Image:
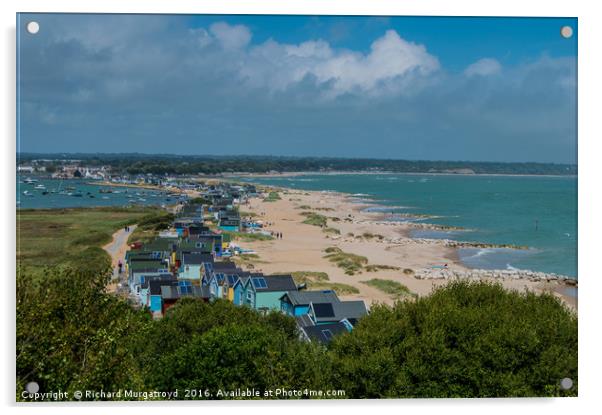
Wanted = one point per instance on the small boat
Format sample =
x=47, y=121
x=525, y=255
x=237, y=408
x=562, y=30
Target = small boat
x=44, y=192
x=106, y=197
x=40, y=187
x=27, y=193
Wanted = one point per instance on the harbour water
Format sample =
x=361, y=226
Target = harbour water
x=41, y=193
x=533, y=211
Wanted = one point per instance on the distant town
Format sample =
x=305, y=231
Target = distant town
x=100, y=166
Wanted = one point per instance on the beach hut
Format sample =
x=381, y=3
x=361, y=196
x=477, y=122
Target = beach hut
x=297, y=303
x=263, y=292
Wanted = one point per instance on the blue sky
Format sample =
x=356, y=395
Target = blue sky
x=441, y=88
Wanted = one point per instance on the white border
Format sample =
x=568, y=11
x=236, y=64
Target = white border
x=590, y=33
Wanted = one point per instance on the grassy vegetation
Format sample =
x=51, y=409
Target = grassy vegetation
x=50, y=237
x=315, y=219
x=247, y=260
x=245, y=214
x=150, y=225
x=305, y=277
x=333, y=231
x=337, y=287
x=200, y=201
x=351, y=263
x=393, y=288
x=316, y=280
x=248, y=237
x=374, y=268
x=370, y=235
x=304, y=207
x=272, y=197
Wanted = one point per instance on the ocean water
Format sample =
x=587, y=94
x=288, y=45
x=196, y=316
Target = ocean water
x=59, y=191
x=538, y=212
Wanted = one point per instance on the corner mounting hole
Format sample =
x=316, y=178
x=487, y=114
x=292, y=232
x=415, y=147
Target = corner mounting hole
x=566, y=32
x=33, y=27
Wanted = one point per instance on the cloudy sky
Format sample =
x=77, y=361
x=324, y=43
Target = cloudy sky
x=482, y=89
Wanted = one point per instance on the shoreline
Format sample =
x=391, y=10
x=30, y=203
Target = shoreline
x=359, y=172
x=432, y=262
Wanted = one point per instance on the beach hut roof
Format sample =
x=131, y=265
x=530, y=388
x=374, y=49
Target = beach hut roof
x=336, y=311
x=324, y=333
x=307, y=297
x=196, y=259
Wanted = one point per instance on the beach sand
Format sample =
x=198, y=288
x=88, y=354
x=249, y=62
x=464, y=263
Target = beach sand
x=302, y=246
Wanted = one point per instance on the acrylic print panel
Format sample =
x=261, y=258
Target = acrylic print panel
x=285, y=207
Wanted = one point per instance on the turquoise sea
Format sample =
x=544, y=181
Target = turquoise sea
x=50, y=193
x=538, y=212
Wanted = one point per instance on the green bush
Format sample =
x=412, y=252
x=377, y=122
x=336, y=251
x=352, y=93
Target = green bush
x=464, y=340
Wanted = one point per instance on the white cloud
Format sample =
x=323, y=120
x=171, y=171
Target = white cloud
x=231, y=37
x=483, y=67
x=390, y=65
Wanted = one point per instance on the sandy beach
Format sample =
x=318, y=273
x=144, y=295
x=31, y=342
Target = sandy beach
x=416, y=263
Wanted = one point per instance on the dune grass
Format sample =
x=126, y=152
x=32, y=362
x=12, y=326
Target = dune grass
x=315, y=219
x=337, y=287
x=333, y=231
x=351, y=263
x=316, y=280
x=248, y=237
x=302, y=277
x=248, y=260
x=245, y=214
x=272, y=197
x=393, y=288
x=375, y=268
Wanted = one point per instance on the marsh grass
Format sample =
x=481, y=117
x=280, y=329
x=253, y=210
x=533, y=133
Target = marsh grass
x=70, y=237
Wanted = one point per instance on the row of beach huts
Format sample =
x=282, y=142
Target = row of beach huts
x=193, y=260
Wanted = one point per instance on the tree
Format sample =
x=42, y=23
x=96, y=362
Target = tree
x=464, y=340
x=221, y=346
x=72, y=335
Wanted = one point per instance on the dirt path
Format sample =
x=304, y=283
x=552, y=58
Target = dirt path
x=117, y=249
